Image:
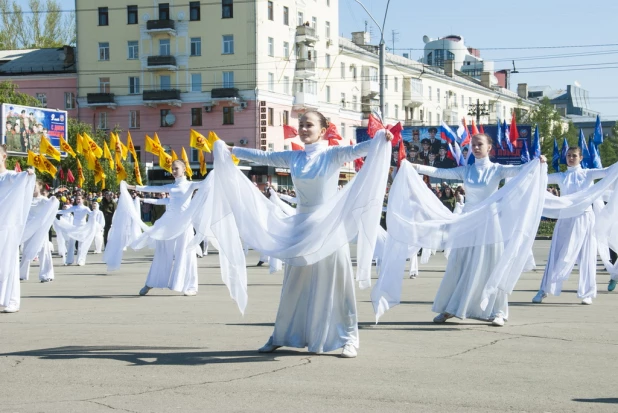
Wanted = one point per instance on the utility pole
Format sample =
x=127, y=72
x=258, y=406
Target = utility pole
x=394, y=37
x=381, y=51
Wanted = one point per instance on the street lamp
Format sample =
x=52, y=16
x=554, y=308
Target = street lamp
x=381, y=55
x=478, y=110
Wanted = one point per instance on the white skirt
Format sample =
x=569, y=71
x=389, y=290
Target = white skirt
x=174, y=265
x=318, y=305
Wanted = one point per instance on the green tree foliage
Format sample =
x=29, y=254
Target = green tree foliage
x=10, y=94
x=609, y=148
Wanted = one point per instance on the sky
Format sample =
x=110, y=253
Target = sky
x=544, y=38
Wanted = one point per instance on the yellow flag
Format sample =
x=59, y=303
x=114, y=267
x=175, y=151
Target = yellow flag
x=116, y=144
x=153, y=147
x=165, y=161
x=108, y=155
x=186, y=159
x=156, y=139
x=64, y=145
x=198, y=141
x=34, y=160
x=174, y=156
x=80, y=174
x=121, y=173
x=235, y=159
x=80, y=144
x=212, y=138
x=138, y=174
x=202, y=163
x=46, y=148
x=92, y=145
x=130, y=146
x=48, y=166
x=99, y=175
x=90, y=161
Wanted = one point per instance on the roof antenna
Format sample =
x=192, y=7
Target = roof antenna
x=514, y=70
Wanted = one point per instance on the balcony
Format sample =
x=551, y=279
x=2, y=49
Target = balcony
x=224, y=94
x=101, y=100
x=370, y=87
x=304, y=100
x=305, y=68
x=413, y=122
x=161, y=63
x=162, y=97
x=161, y=26
x=306, y=34
x=412, y=93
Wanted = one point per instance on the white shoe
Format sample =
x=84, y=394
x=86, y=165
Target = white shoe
x=538, y=298
x=587, y=301
x=349, y=351
x=441, y=318
x=498, y=321
x=269, y=347
x=10, y=310
x=144, y=290
x=190, y=293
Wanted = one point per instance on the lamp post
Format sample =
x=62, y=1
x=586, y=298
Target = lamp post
x=478, y=110
x=381, y=53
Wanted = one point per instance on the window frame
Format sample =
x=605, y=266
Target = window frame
x=163, y=42
x=195, y=5
x=105, y=50
x=134, y=119
x=102, y=123
x=134, y=84
x=195, y=46
x=271, y=46
x=196, y=116
x=227, y=44
x=286, y=15
x=271, y=10
x=164, y=7
x=132, y=11
x=228, y=115
x=271, y=82
x=194, y=85
x=103, y=16
x=226, y=82
x=105, y=86
x=132, y=49
x=162, y=114
x=227, y=5
x=69, y=97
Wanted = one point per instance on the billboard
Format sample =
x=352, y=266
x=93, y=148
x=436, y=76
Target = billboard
x=23, y=127
x=413, y=135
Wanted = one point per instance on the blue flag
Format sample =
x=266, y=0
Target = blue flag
x=525, y=155
x=563, y=152
x=555, y=159
x=471, y=157
x=585, y=152
x=598, y=132
x=595, y=158
x=505, y=134
x=498, y=139
x=536, y=144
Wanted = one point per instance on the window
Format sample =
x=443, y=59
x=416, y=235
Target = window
x=228, y=44
x=327, y=60
x=42, y=97
x=396, y=111
x=196, y=117
x=429, y=117
x=301, y=18
x=164, y=47
x=227, y=9
x=342, y=70
x=164, y=113
x=271, y=82
x=271, y=147
x=165, y=82
x=343, y=130
x=438, y=119
x=373, y=74
x=104, y=86
x=386, y=81
x=271, y=46
x=133, y=49
x=271, y=117
x=328, y=93
x=194, y=11
x=396, y=80
x=134, y=85
x=286, y=16
x=164, y=11
x=134, y=119
x=271, y=11
x=354, y=74
x=462, y=101
x=228, y=79
x=354, y=102
x=286, y=50
x=286, y=85
x=228, y=115
x=343, y=103
x=438, y=95
x=103, y=16
x=196, y=82
x=103, y=120
x=196, y=46
x=69, y=100
x=195, y=157
x=131, y=14
x=327, y=24
x=104, y=51
x=386, y=110
x=429, y=92
x=314, y=22
x=286, y=117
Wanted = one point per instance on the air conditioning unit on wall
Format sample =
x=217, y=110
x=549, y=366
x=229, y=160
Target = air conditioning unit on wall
x=244, y=141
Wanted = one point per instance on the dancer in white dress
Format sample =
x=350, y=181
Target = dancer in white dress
x=80, y=216
x=16, y=191
x=174, y=265
x=60, y=239
x=468, y=269
x=574, y=240
x=318, y=304
x=97, y=215
x=35, y=238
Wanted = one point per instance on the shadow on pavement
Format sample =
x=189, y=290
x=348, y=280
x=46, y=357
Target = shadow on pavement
x=153, y=356
x=609, y=400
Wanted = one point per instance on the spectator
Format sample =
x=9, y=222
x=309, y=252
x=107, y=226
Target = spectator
x=108, y=207
x=448, y=198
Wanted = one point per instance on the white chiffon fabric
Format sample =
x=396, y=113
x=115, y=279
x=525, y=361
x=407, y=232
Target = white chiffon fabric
x=35, y=241
x=16, y=192
x=97, y=215
x=60, y=240
x=486, y=240
x=82, y=229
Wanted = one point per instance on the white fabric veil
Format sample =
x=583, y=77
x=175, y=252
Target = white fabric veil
x=40, y=219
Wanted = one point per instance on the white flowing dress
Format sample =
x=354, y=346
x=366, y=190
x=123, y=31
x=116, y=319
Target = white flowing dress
x=174, y=264
x=35, y=241
x=318, y=303
x=98, y=216
x=574, y=240
x=468, y=269
x=80, y=214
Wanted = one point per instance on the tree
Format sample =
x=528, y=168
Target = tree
x=43, y=26
x=9, y=94
x=609, y=148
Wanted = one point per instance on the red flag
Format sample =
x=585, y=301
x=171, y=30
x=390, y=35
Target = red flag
x=331, y=132
x=17, y=167
x=61, y=174
x=297, y=147
x=402, y=153
x=289, y=132
x=513, y=133
x=396, y=131
x=333, y=142
x=481, y=129
x=475, y=131
x=358, y=164
x=46, y=187
x=351, y=142
x=70, y=177
x=469, y=137
x=373, y=125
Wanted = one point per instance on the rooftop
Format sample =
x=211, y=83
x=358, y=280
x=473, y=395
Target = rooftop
x=39, y=61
